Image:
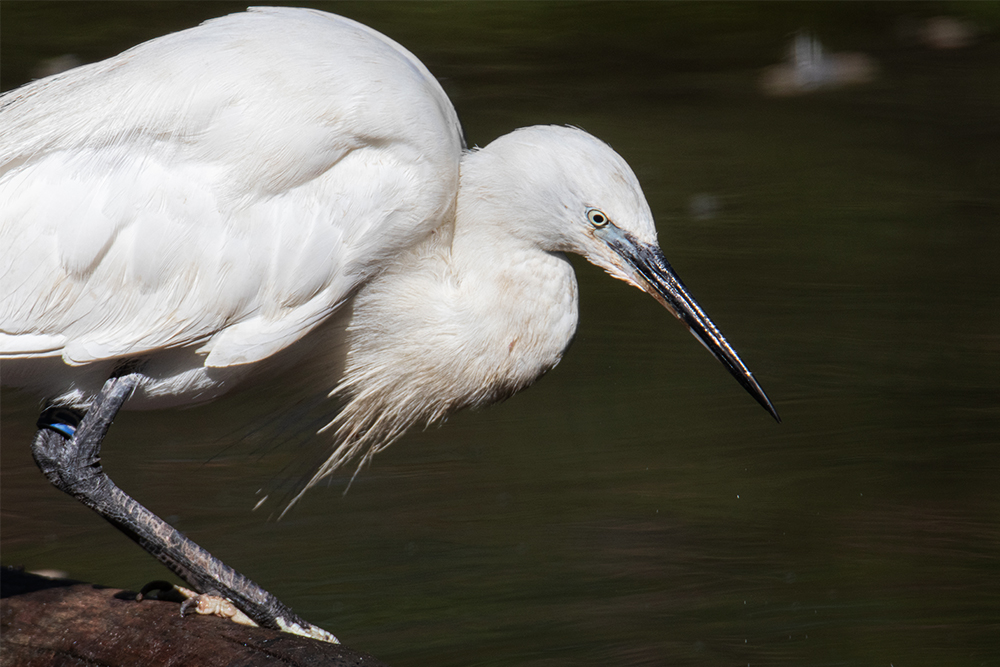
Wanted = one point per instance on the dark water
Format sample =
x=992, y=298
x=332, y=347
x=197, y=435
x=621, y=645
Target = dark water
x=636, y=507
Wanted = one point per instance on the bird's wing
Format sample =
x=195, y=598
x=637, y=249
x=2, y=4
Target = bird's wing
x=226, y=187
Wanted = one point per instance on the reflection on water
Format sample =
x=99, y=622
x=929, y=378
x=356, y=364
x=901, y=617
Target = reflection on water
x=636, y=507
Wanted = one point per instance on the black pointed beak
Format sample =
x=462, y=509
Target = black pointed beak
x=652, y=272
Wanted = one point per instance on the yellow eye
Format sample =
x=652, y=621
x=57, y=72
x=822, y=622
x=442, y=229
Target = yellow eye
x=597, y=217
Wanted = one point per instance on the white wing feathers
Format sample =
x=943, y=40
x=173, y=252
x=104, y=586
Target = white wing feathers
x=226, y=188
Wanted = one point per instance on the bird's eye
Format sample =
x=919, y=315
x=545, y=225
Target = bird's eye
x=596, y=217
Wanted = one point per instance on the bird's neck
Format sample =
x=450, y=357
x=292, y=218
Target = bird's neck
x=466, y=320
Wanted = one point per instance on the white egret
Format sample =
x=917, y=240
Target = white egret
x=279, y=185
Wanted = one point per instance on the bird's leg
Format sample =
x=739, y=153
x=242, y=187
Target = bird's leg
x=70, y=457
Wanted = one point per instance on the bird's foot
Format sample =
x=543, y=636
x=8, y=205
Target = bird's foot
x=215, y=605
x=192, y=601
x=212, y=605
x=69, y=454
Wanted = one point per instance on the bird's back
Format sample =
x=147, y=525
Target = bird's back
x=222, y=189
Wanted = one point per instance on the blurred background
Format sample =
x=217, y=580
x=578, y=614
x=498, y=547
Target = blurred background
x=826, y=179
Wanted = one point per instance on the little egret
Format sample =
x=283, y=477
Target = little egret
x=284, y=185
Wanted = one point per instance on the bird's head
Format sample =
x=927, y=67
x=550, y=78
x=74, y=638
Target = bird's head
x=567, y=191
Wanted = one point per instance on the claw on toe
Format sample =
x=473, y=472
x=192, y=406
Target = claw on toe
x=215, y=605
x=192, y=601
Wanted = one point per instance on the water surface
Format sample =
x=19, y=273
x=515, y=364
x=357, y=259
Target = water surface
x=636, y=507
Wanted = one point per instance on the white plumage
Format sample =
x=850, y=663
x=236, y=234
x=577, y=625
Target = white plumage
x=285, y=185
x=220, y=190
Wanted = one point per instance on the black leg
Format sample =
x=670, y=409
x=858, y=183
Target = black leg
x=72, y=463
